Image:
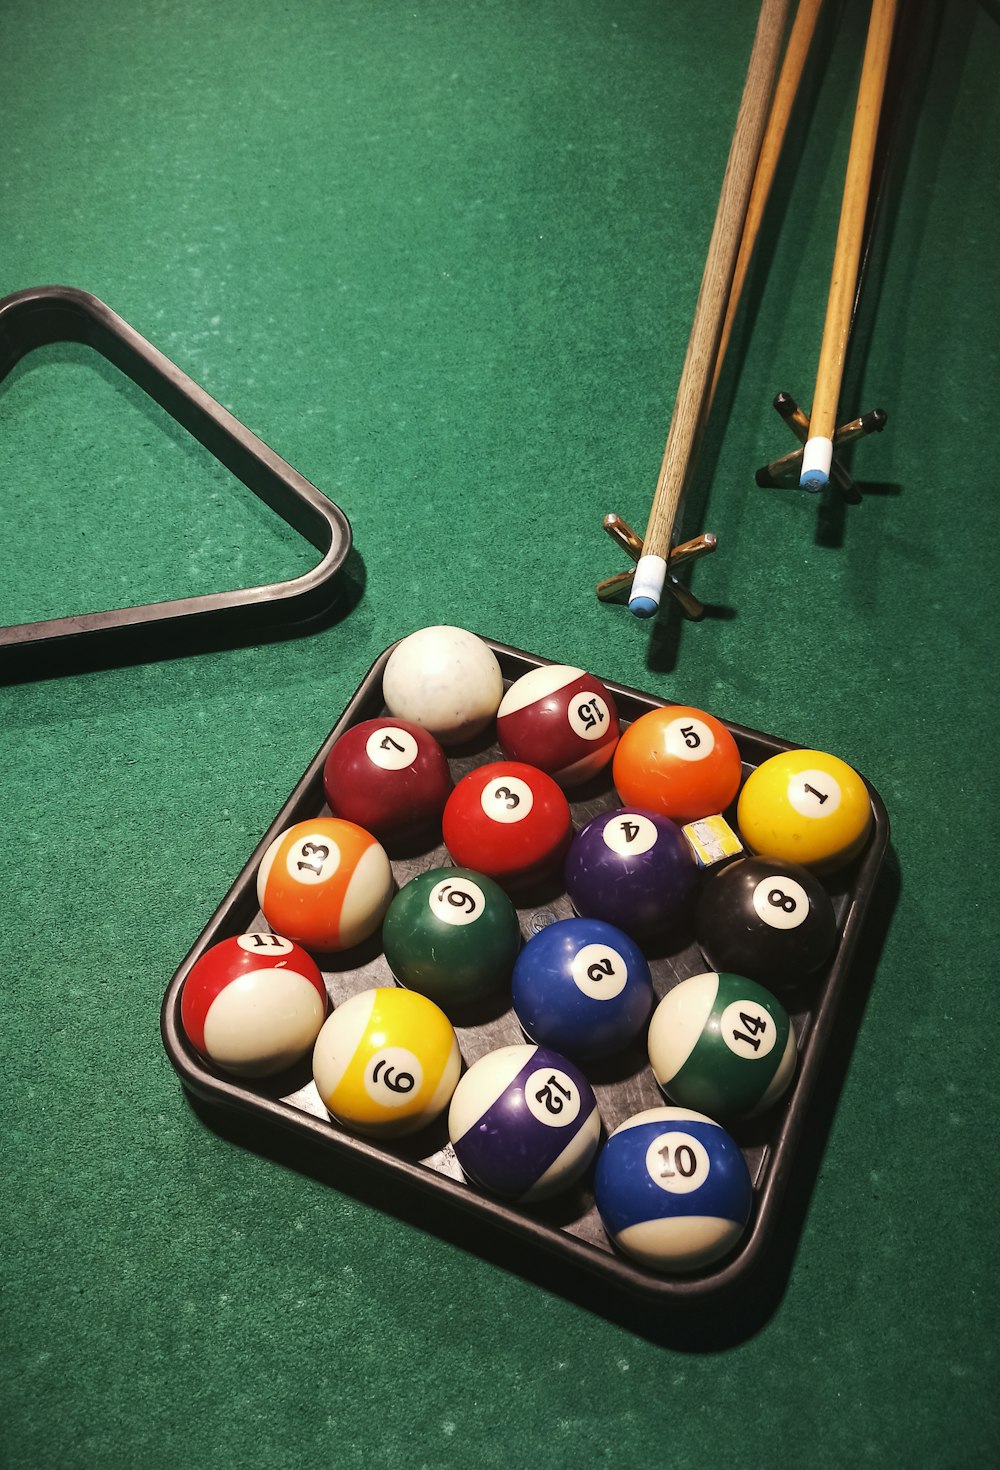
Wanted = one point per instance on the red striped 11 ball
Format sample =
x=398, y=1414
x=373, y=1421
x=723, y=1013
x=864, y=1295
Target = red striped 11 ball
x=389, y=776
x=253, y=1004
x=769, y=919
x=507, y=820
x=723, y=1045
x=582, y=987
x=632, y=869
x=673, y=1189
x=524, y=1123
x=560, y=719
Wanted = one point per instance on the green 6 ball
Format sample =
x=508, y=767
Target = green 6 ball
x=722, y=1045
x=453, y=935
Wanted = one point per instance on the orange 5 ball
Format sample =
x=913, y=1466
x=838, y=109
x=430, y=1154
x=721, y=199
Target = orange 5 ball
x=678, y=761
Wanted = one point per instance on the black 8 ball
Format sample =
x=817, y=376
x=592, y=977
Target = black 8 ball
x=770, y=921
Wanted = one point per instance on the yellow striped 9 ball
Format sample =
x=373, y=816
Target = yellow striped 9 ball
x=386, y=1062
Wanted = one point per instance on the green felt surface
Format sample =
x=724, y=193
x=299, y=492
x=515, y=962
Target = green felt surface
x=443, y=258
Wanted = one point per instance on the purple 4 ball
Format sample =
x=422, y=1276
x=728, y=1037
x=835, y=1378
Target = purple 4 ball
x=631, y=868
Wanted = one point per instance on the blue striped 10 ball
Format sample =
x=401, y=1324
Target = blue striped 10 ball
x=673, y=1189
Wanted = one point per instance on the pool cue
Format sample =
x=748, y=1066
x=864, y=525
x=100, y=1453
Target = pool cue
x=691, y=403
x=619, y=531
x=783, y=102
x=817, y=455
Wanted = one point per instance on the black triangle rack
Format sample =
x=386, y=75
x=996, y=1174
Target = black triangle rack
x=45, y=315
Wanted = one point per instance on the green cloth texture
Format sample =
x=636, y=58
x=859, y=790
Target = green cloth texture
x=443, y=258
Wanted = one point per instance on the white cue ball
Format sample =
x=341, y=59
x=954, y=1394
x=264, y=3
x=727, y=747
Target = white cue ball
x=446, y=680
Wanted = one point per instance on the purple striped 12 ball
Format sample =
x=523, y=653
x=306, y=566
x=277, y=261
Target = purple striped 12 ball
x=582, y=987
x=673, y=1189
x=560, y=719
x=631, y=868
x=524, y=1122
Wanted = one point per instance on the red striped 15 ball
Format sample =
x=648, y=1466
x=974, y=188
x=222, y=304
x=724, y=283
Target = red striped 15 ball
x=679, y=761
x=253, y=1004
x=507, y=820
x=389, y=776
x=560, y=719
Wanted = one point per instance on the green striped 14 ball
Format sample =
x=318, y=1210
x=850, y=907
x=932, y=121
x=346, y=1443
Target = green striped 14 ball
x=722, y=1044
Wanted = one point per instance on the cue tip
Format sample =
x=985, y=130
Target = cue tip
x=647, y=586
x=817, y=457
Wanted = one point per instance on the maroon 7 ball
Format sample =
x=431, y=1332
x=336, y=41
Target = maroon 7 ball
x=631, y=868
x=507, y=820
x=389, y=776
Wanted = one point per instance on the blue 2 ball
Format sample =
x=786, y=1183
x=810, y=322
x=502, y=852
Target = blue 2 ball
x=582, y=987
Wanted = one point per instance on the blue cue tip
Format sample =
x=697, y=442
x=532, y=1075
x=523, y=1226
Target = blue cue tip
x=814, y=481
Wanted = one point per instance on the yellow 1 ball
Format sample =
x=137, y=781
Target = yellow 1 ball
x=806, y=807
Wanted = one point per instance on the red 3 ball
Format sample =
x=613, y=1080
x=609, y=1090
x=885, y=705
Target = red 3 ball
x=678, y=761
x=560, y=719
x=507, y=820
x=389, y=776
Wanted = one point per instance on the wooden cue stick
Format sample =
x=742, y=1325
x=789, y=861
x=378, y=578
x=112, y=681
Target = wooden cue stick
x=818, y=452
x=691, y=403
x=785, y=92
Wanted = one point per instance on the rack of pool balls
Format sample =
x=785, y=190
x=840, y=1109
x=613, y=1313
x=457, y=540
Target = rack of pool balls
x=564, y=953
